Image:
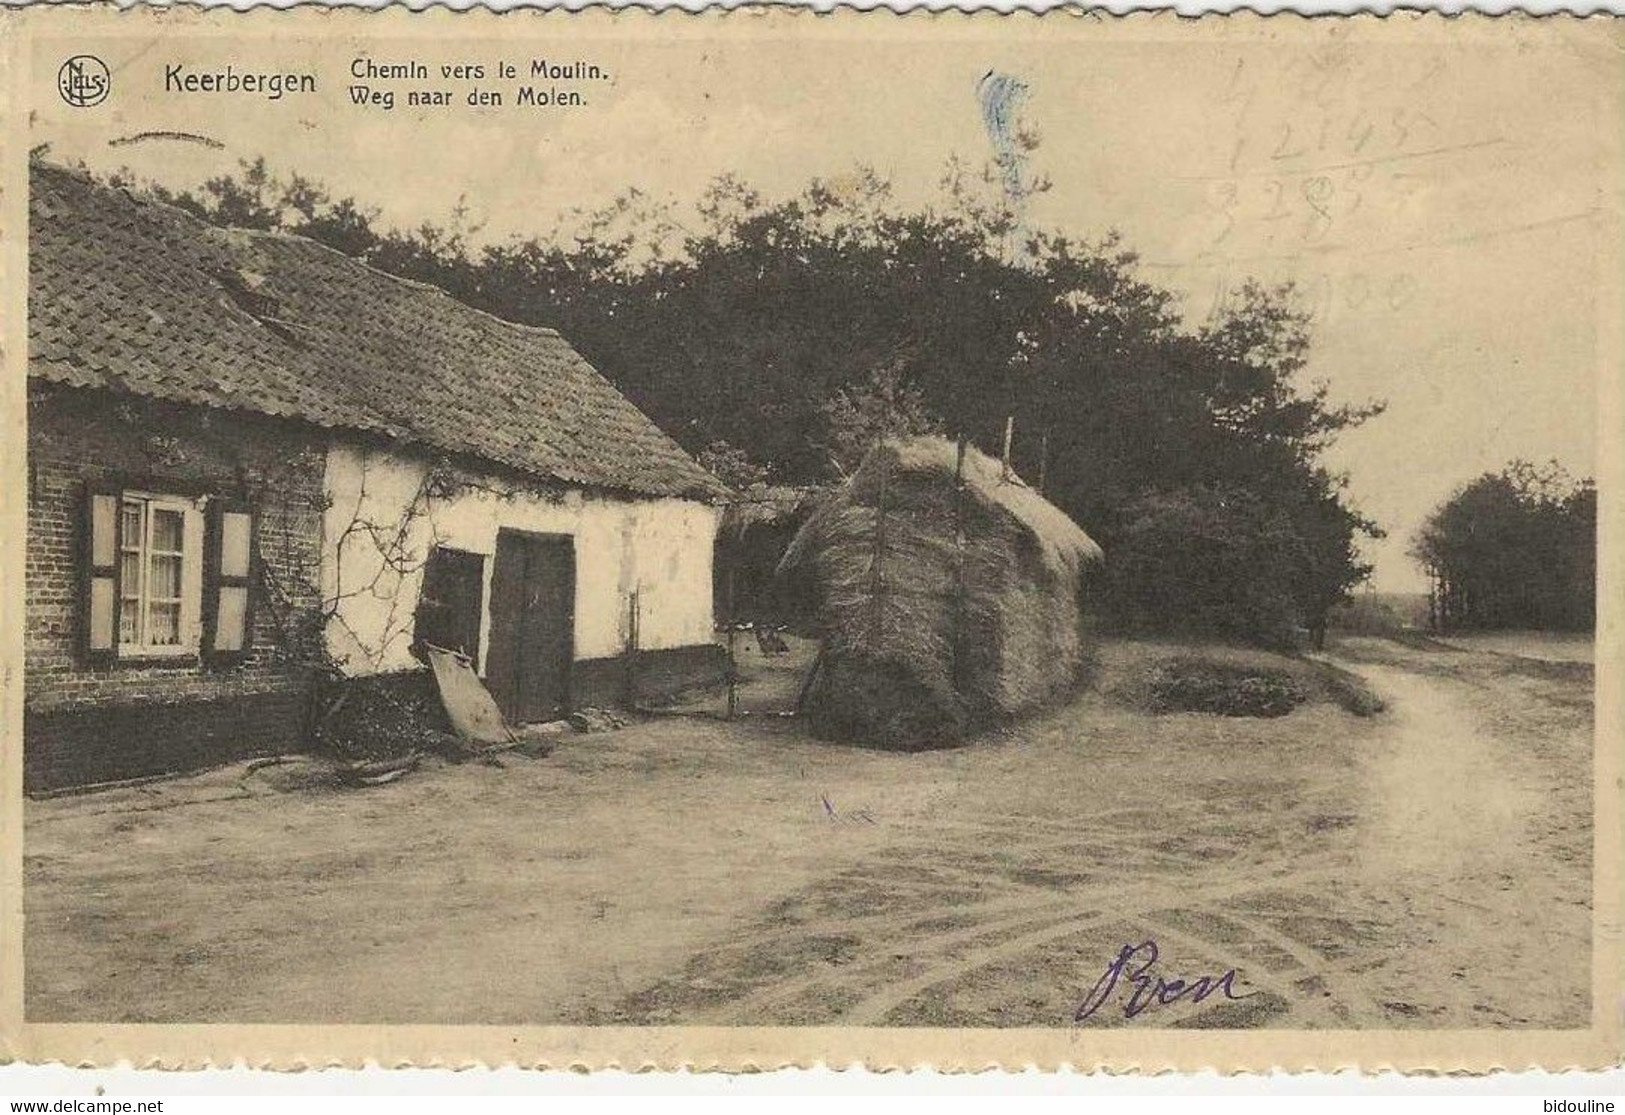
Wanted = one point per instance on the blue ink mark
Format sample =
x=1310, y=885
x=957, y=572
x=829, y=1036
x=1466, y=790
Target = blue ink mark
x=1151, y=990
x=1002, y=96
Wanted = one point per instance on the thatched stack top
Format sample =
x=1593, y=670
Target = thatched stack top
x=1065, y=545
x=940, y=611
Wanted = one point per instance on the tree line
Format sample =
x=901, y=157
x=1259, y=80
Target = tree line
x=776, y=339
x=1513, y=549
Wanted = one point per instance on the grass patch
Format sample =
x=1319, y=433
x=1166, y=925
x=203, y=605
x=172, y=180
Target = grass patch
x=1196, y=685
x=1221, y=680
x=1348, y=691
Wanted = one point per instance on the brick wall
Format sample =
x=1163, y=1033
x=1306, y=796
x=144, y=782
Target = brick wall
x=89, y=723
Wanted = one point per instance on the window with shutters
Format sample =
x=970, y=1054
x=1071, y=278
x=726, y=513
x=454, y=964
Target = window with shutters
x=166, y=576
x=159, y=575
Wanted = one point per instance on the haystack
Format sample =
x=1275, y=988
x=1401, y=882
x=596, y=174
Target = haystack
x=939, y=614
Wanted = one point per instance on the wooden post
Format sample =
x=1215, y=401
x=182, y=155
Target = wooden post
x=1009, y=435
x=631, y=664
x=732, y=608
x=733, y=620
x=957, y=629
x=877, y=561
x=1043, y=459
x=806, y=687
x=733, y=672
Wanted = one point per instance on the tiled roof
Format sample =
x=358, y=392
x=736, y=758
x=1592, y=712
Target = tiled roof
x=130, y=295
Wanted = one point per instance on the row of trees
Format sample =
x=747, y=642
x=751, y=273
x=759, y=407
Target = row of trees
x=777, y=339
x=1513, y=549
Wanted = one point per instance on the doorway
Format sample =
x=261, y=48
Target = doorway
x=533, y=589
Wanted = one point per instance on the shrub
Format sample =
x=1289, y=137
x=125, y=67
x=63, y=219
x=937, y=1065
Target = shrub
x=1210, y=562
x=1190, y=685
x=382, y=717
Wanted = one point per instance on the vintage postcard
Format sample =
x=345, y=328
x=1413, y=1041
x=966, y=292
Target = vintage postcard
x=759, y=539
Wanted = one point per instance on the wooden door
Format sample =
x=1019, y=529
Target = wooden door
x=533, y=587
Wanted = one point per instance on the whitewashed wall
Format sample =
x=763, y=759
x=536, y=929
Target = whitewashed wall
x=660, y=547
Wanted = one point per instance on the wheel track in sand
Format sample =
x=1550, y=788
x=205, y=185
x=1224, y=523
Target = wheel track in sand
x=893, y=934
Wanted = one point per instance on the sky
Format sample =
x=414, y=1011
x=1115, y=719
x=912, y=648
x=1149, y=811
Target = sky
x=1439, y=207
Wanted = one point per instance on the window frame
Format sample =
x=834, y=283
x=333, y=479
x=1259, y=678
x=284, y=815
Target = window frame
x=192, y=554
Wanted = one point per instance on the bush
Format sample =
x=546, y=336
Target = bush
x=1206, y=561
x=1191, y=685
x=384, y=716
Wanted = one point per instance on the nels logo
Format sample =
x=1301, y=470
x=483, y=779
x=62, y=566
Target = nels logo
x=83, y=81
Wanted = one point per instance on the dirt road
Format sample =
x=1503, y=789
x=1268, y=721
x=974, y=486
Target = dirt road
x=1425, y=867
x=1442, y=811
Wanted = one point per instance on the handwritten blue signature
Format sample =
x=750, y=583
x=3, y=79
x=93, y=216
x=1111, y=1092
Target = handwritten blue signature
x=1133, y=964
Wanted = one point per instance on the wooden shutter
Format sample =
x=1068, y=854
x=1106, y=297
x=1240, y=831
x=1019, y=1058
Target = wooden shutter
x=99, y=566
x=228, y=605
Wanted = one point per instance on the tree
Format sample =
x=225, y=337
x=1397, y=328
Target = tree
x=793, y=332
x=861, y=414
x=1208, y=559
x=1515, y=548
x=732, y=466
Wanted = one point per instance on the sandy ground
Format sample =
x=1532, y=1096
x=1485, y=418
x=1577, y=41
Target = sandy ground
x=1543, y=646
x=1425, y=867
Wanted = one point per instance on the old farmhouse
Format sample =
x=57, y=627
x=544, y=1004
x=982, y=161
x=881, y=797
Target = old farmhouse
x=251, y=456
